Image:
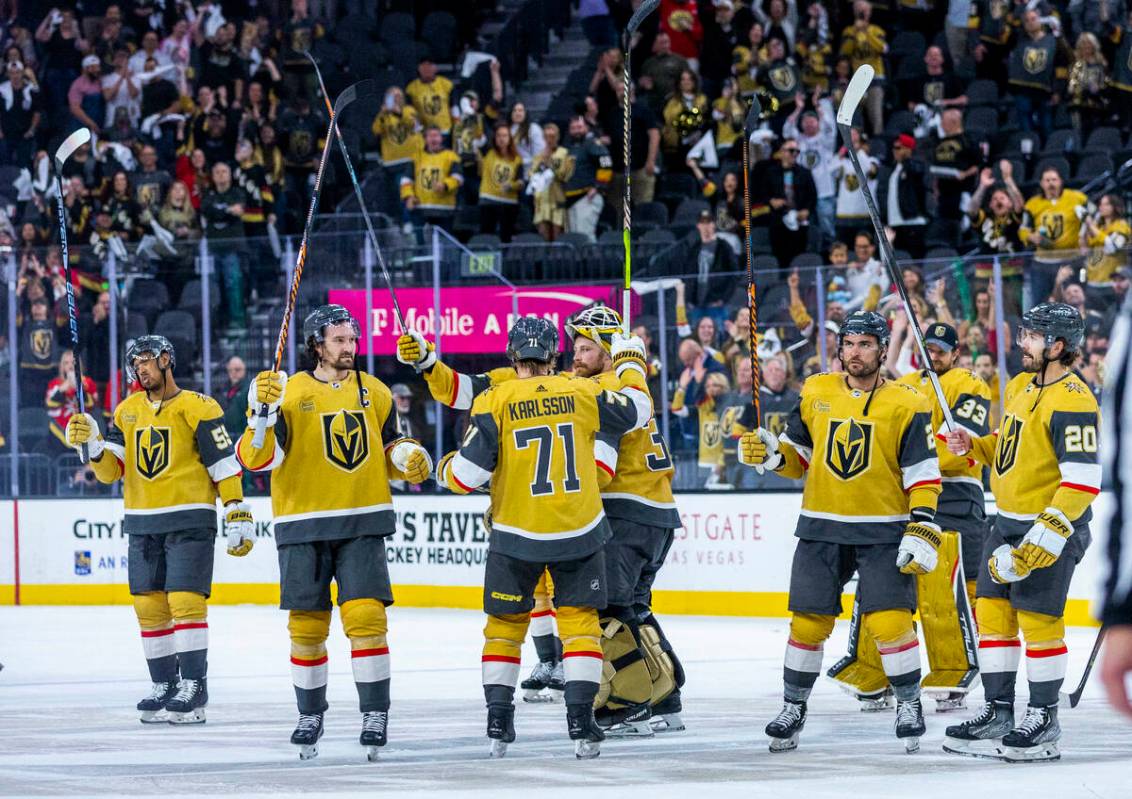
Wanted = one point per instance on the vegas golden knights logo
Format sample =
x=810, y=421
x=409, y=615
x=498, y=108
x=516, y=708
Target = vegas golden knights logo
x=933, y=92
x=711, y=434
x=775, y=423
x=847, y=453
x=782, y=79
x=502, y=175
x=1009, y=435
x=1056, y=225
x=345, y=438
x=1034, y=59
x=151, y=445
x=430, y=178
x=851, y=182
x=41, y=341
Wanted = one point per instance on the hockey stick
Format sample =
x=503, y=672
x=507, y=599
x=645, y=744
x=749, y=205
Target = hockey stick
x=646, y=8
x=756, y=380
x=854, y=93
x=1074, y=698
x=365, y=88
x=65, y=151
x=344, y=99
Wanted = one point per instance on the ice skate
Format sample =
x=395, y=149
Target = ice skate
x=910, y=724
x=374, y=724
x=786, y=726
x=875, y=703
x=980, y=736
x=152, y=708
x=306, y=735
x=1035, y=739
x=952, y=700
x=666, y=714
x=537, y=687
x=625, y=722
x=500, y=728
x=187, y=705
x=584, y=731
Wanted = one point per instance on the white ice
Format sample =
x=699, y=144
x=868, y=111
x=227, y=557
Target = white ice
x=73, y=674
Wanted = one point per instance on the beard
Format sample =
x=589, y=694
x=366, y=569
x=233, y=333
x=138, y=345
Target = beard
x=861, y=369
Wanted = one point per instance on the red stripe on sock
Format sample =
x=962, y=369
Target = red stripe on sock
x=800, y=645
x=1047, y=653
x=367, y=653
x=893, y=650
x=156, y=633
x=992, y=644
x=191, y=625
x=308, y=663
x=582, y=655
x=499, y=659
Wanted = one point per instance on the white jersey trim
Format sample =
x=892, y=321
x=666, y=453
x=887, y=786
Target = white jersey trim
x=652, y=503
x=117, y=450
x=923, y=472
x=224, y=468
x=1018, y=517
x=968, y=480
x=467, y=473
x=606, y=454
x=519, y=531
x=170, y=509
x=332, y=514
x=838, y=517
x=1084, y=474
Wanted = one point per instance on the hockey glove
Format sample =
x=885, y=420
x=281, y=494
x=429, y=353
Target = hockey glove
x=83, y=429
x=1042, y=544
x=240, y=529
x=267, y=389
x=444, y=473
x=411, y=460
x=628, y=352
x=759, y=448
x=413, y=350
x=1005, y=567
x=918, y=553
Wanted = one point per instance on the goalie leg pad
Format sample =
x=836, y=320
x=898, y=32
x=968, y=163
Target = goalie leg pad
x=190, y=632
x=626, y=679
x=1046, y=655
x=308, y=629
x=366, y=625
x=661, y=668
x=895, y=638
x=999, y=647
x=949, y=635
x=156, y=622
x=804, y=648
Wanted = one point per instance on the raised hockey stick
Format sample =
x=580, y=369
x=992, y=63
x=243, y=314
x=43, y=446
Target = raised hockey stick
x=364, y=88
x=65, y=151
x=854, y=93
x=749, y=124
x=1072, y=699
x=344, y=99
x=646, y=8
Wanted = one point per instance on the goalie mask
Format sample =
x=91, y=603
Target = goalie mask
x=597, y=323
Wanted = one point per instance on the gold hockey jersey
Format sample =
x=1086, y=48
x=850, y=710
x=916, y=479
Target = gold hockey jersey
x=867, y=462
x=541, y=442
x=1059, y=221
x=431, y=100
x=329, y=459
x=1044, y=454
x=399, y=135
x=641, y=489
x=968, y=396
x=174, y=458
x=436, y=180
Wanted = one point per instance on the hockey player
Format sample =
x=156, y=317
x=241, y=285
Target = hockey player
x=542, y=440
x=856, y=435
x=332, y=446
x=1044, y=476
x=170, y=449
x=946, y=595
x=642, y=513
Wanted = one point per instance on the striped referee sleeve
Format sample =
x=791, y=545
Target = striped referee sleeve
x=1116, y=453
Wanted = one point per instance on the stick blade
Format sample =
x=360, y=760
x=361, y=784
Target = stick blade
x=645, y=8
x=753, y=115
x=854, y=92
x=69, y=145
x=363, y=88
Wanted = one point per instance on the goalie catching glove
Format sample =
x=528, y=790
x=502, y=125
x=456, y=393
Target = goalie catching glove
x=759, y=448
x=82, y=429
x=267, y=389
x=413, y=350
x=918, y=551
x=412, y=461
x=628, y=352
x=239, y=527
x=1043, y=543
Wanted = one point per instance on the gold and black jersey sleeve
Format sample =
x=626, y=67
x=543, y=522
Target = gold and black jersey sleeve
x=175, y=458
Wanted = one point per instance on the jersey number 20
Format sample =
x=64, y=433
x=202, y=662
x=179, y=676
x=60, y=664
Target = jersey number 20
x=542, y=438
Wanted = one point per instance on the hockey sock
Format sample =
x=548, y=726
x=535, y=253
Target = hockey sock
x=999, y=648
x=804, y=650
x=1046, y=656
x=502, y=646
x=581, y=653
x=542, y=631
x=899, y=649
x=156, y=622
x=308, y=630
x=366, y=626
x=190, y=633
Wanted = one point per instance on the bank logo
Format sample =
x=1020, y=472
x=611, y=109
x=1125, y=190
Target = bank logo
x=82, y=562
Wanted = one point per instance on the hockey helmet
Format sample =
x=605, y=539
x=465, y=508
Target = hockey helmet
x=864, y=323
x=598, y=323
x=1053, y=321
x=532, y=339
x=314, y=326
x=142, y=345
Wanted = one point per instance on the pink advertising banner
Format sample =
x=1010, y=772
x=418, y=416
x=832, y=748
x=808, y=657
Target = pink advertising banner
x=473, y=319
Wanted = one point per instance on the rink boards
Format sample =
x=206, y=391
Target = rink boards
x=731, y=558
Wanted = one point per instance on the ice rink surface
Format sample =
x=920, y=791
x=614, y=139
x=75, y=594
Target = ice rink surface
x=73, y=674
